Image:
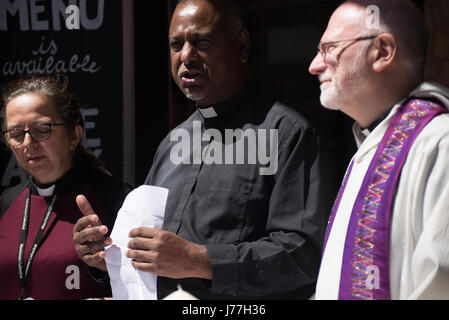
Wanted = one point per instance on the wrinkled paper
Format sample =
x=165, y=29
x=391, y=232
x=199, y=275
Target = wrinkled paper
x=143, y=207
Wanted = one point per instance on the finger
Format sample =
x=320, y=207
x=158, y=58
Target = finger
x=140, y=255
x=92, y=248
x=143, y=232
x=94, y=259
x=91, y=235
x=146, y=267
x=85, y=207
x=142, y=243
x=86, y=222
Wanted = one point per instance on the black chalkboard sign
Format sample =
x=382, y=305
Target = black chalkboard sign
x=86, y=41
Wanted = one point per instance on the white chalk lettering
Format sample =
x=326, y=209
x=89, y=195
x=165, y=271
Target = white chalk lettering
x=93, y=143
x=52, y=48
x=12, y=171
x=35, y=9
x=14, y=7
x=48, y=64
x=95, y=23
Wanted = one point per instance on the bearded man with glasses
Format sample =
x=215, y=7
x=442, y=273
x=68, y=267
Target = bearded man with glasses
x=388, y=232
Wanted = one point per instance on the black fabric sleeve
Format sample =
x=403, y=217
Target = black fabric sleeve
x=111, y=193
x=97, y=274
x=8, y=196
x=287, y=258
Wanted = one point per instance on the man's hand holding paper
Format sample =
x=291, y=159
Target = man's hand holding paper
x=168, y=255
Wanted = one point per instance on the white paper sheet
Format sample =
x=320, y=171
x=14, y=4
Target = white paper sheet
x=143, y=207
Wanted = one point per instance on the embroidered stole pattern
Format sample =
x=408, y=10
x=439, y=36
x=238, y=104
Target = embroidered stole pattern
x=365, y=267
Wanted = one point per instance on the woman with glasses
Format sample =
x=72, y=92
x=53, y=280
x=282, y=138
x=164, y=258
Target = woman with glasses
x=43, y=127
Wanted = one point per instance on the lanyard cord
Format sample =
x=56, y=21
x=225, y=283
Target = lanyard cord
x=23, y=239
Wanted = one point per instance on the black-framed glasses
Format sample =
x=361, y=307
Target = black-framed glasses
x=39, y=132
x=325, y=48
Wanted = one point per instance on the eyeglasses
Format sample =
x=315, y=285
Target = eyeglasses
x=39, y=132
x=325, y=48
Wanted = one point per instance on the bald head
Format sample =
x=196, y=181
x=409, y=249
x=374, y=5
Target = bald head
x=404, y=21
x=232, y=10
x=370, y=46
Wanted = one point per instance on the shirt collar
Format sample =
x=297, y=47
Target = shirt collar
x=224, y=107
x=367, y=140
x=46, y=192
x=208, y=112
x=71, y=180
x=366, y=131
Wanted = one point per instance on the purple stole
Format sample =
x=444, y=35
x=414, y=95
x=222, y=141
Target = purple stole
x=365, y=265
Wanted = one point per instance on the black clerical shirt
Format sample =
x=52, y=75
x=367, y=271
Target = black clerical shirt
x=263, y=229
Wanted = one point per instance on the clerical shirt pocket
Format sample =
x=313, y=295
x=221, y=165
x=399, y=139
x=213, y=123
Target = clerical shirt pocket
x=219, y=211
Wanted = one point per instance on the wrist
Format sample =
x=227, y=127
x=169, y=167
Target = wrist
x=101, y=266
x=203, y=267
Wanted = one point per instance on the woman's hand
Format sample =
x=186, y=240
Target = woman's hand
x=89, y=236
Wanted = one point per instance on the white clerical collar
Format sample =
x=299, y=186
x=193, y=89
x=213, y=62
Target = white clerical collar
x=359, y=134
x=47, y=192
x=208, y=112
x=365, y=132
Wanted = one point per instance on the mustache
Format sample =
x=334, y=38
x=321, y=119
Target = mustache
x=190, y=70
x=326, y=75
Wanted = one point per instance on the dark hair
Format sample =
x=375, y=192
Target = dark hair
x=68, y=108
